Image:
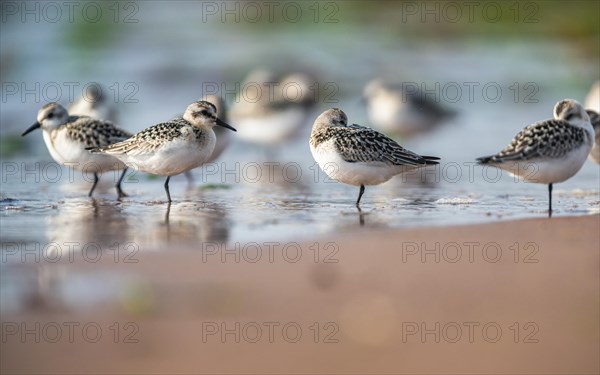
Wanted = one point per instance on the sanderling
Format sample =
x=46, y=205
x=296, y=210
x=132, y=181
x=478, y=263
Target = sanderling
x=93, y=103
x=394, y=109
x=270, y=111
x=595, y=121
x=548, y=151
x=68, y=137
x=592, y=103
x=172, y=147
x=357, y=155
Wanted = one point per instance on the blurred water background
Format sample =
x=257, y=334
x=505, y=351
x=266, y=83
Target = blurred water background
x=156, y=57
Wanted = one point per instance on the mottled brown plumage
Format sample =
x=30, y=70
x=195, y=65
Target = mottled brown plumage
x=94, y=133
x=357, y=143
x=544, y=139
x=357, y=155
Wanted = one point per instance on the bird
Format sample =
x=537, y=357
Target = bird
x=223, y=136
x=358, y=155
x=592, y=103
x=396, y=110
x=172, y=147
x=595, y=121
x=67, y=138
x=93, y=103
x=549, y=151
x=269, y=111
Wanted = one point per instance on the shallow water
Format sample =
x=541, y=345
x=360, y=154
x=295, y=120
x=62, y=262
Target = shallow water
x=237, y=202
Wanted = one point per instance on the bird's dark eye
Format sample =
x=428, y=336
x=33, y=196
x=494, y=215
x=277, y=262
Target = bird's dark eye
x=569, y=116
x=204, y=113
x=50, y=115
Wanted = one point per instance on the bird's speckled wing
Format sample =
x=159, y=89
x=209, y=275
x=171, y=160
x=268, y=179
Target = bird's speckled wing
x=93, y=132
x=362, y=144
x=544, y=139
x=148, y=140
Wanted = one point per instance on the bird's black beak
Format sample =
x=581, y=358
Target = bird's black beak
x=37, y=125
x=224, y=124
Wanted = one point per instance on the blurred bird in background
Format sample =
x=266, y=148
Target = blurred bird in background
x=402, y=110
x=271, y=110
x=592, y=105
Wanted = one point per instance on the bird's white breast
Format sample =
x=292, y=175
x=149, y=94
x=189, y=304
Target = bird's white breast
x=174, y=157
x=72, y=153
x=357, y=173
x=549, y=171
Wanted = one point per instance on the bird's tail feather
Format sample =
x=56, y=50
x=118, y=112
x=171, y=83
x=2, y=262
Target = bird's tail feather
x=485, y=159
x=431, y=160
x=94, y=150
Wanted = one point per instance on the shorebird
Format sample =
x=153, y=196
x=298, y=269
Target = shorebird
x=93, y=103
x=555, y=148
x=394, y=109
x=269, y=111
x=68, y=137
x=357, y=155
x=592, y=103
x=595, y=121
x=172, y=147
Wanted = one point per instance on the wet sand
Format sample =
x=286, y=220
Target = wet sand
x=508, y=297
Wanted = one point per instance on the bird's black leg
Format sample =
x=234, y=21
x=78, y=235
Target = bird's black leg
x=94, y=185
x=118, y=186
x=549, y=200
x=167, y=189
x=167, y=213
x=362, y=191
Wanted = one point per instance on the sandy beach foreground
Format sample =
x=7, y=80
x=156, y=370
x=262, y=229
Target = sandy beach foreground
x=509, y=297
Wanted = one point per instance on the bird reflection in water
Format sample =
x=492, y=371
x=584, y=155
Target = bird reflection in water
x=189, y=223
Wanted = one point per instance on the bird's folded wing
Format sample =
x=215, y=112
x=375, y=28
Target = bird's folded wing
x=96, y=133
x=550, y=138
x=132, y=146
x=146, y=141
x=361, y=144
